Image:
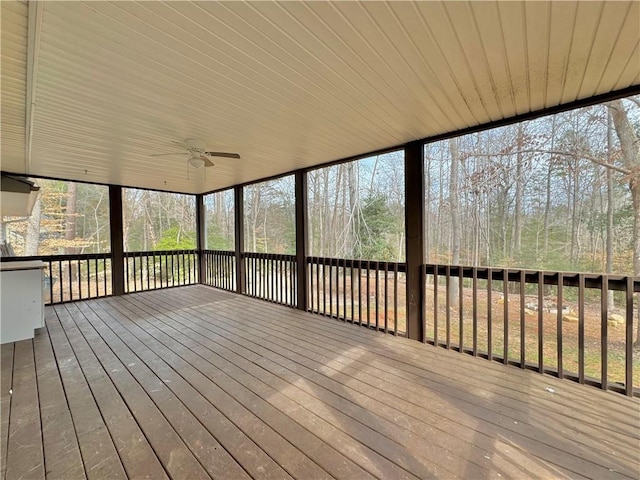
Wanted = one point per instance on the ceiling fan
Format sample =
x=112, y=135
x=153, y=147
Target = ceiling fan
x=198, y=153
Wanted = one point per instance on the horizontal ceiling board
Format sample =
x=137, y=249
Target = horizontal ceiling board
x=288, y=85
x=13, y=84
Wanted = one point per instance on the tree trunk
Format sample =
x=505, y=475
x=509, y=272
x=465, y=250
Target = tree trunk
x=33, y=230
x=609, y=235
x=630, y=148
x=455, y=217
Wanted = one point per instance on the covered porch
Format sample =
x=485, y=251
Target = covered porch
x=194, y=382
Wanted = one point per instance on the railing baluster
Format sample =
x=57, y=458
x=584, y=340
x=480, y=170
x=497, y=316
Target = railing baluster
x=523, y=346
x=344, y=291
x=395, y=300
x=386, y=297
x=50, y=281
x=474, y=292
x=60, y=281
x=604, y=326
x=368, y=297
x=331, y=287
x=135, y=277
x=461, y=307
x=540, y=322
x=360, y=292
x=69, y=271
x=628, y=334
x=447, y=273
x=560, y=306
x=377, y=295
x=505, y=331
x=489, y=313
x=581, y=327
x=353, y=315
x=435, y=305
x=324, y=287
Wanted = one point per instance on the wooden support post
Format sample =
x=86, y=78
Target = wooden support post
x=117, y=245
x=301, y=240
x=238, y=197
x=201, y=236
x=414, y=231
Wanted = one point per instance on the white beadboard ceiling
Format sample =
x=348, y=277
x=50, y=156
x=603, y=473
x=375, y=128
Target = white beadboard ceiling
x=90, y=89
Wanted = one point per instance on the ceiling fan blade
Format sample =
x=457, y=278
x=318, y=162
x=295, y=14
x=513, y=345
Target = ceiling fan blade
x=208, y=162
x=165, y=154
x=180, y=144
x=222, y=154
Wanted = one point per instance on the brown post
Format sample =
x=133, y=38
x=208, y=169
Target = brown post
x=414, y=230
x=301, y=239
x=117, y=245
x=201, y=236
x=238, y=197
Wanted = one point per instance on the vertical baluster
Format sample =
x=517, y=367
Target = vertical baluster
x=135, y=277
x=604, y=327
x=50, y=263
x=368, y=297
x=173, y=271
x=435, y=305
x=628, y=353
x=148, y=272
x=474, y=309
x=540, y=322
x=351, y=284
x=461, y=307
x=560, y=305
x=60, y=281
x=505, y=310
x=69, y=272
x=88, y=262
x=344, y=290
x=447, y=273
x=386, y=297
x=489, y=313
x=104, y=273
x=395, y=299
x=581, y=327
x=337, y=288
x=324, y=286
x=523, y=345
x=331, y=287
x=360, y=292
x=377, y=294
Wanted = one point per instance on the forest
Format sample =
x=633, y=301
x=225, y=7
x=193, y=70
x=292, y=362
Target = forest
x=558, y=192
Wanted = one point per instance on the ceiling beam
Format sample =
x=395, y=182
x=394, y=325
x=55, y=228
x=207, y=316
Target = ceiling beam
x=33, y=50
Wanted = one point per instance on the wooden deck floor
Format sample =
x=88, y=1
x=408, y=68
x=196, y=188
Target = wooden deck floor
x=195, y=383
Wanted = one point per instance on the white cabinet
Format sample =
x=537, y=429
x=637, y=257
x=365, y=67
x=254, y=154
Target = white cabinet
x=21, y=299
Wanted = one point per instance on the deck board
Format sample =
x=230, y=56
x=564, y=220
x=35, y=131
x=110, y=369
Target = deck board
x=509, y=421
x=193, y=382
x=6, y=380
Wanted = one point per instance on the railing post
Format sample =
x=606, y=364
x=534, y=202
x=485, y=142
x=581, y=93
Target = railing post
x=414, y=234
x=201, y=236
x=238, y=198
x=301, y=239
x=117, y=245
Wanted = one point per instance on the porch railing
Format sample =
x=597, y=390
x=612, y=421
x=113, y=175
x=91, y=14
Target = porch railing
x=73, y=277
x=553, y=322
x=368, y=293
x=160, y=269
x=219, y=269
x=271, y=277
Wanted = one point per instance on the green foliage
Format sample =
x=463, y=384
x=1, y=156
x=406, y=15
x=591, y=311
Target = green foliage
x=376, y=224
x=176, y=239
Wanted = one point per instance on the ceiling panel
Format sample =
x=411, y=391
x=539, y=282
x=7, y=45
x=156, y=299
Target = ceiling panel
x=286, y=84
x=13, y=84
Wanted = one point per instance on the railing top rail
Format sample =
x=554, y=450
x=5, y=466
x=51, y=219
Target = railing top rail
x=226, y=253
x=57, y=258
x=159, y=252
x=269, y=256
x=348, y=262
x=569, y=279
